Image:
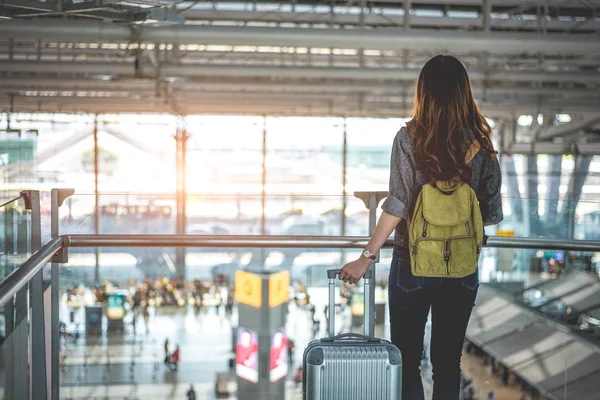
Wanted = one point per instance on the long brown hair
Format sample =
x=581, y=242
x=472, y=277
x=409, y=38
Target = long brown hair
x=444, y=117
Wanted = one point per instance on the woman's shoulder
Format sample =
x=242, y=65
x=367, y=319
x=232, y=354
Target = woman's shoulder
x=403, y=138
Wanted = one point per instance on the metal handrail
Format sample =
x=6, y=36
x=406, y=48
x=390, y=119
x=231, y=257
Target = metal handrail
x=320, y=242
x=21, y=276
x=11, y=201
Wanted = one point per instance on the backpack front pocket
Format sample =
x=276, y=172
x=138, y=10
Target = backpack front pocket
x=464, y=256
x=428, y=258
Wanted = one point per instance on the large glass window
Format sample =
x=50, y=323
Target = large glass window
x=224, y=174
x=304, y=175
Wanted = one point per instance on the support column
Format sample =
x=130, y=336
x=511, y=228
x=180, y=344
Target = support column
x=487, y=15
x=361, y=51
x=263, y=194
x=407, y=6
x=553, y=192
x=532, y=196
x=181, y=195
x=513, y=188
x=344, y=179
x=576, y=182
x=96, y=200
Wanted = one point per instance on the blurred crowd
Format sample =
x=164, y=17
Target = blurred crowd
x=157, y=292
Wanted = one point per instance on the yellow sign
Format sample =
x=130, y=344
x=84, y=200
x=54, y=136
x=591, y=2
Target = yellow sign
x=248, y=288
x=279, y=288
x=505, y=233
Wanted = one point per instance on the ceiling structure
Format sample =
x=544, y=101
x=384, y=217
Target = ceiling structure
x=300, y=57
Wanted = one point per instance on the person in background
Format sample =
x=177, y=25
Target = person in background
x=505, y=375
x=191, y=393
x=316, y=327
x=218, y=302
x=290, y=348
x=167, y=353
x=298, y=376
x=229, y=306
x=175, y=358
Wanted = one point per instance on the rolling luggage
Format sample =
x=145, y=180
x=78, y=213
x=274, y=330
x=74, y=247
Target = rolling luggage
x=351, y=366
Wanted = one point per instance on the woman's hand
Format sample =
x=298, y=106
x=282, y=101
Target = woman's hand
x=353, y=271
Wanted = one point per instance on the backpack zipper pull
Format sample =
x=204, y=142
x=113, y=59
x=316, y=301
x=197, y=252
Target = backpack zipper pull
x=424, y=228
x=447, y=256
x=446, y=253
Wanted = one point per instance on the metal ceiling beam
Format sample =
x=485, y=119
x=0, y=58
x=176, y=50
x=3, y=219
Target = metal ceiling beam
x=254, y=107
x=275, y=100
x=372, y=74
x=477, y=3
x=375, y=19
x=583, y=148
x=25, y=51
x=570, y=128
x=14, y=84
x=380, y=39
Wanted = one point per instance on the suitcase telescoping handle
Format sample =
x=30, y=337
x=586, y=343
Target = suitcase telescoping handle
x=332, y=274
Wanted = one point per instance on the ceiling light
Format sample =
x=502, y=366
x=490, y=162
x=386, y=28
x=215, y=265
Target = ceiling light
x=104, y=77
x=174, y=79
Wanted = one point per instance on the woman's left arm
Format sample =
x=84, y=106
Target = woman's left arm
x=353, y=271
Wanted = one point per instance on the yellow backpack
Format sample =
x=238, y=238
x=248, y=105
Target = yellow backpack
x=445, y=230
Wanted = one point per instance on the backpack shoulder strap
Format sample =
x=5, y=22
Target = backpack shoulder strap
x=472, y=151
x=451, y=185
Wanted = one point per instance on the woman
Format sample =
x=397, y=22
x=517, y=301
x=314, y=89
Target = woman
x=433, y=147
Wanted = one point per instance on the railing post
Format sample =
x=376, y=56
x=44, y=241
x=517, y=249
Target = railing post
x=36, y=293
x=371, y=200
x=9, y=350
x=56, y=199
x=20, y=389
x=21, y=353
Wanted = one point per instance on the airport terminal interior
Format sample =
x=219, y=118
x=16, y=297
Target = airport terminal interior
x=176, y=177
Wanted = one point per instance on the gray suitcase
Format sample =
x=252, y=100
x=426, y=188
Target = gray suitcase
x=351, y=366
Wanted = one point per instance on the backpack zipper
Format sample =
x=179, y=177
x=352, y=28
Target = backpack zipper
x=468, y=230
x=414, y=250
x=447, y=255
x=425, y=228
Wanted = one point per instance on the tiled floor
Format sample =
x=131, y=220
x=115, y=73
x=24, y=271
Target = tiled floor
x=130, y=366
x=486, y=382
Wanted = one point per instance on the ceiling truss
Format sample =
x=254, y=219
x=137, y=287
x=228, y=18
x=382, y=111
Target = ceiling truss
x=300, y=58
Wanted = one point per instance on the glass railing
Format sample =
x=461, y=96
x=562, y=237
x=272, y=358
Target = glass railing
x=22, y=324
x=299, y=215
x=158, y=307
x=15, y=230
x=120, y=297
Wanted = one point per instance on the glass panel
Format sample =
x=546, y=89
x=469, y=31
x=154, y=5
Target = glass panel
x=15, y=241
x=369, y=149
x=15, y=248
x=134, y=156
x=304, y=215
x=553, y=208
x=223, y=214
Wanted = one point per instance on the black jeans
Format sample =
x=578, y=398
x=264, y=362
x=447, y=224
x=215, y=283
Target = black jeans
x=451, y=301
